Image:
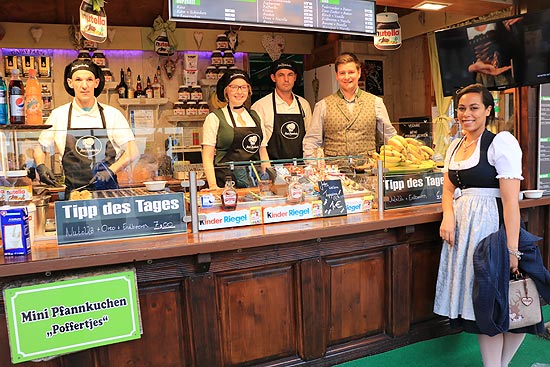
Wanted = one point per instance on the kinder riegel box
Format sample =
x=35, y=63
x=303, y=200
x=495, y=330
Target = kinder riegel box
x=15, y=231
x=236, y=218
x=359, y=204
x=287, y=213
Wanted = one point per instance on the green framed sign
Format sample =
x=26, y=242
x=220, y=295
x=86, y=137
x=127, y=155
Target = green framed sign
x=70, y=315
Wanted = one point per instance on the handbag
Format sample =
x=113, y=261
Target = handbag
x=523, y=302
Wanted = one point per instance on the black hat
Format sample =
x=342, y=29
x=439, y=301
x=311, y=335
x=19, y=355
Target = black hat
x=284, y=64
x=227, y=78
x=84, y=65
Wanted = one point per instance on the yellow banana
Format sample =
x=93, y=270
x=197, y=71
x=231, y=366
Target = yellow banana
x=413, y=148
x=416, y=154
x=414, y=141
x=376, y=156
x=413, y=158
x=391, y=159
x=401, y=139
x=391, y=164
x=427, y=149
x=396, y=144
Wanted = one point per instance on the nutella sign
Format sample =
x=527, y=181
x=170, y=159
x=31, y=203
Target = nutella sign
x=388, y=32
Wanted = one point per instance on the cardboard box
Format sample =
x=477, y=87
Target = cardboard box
x=190, y=77
x=191, y=61
x=16, y=239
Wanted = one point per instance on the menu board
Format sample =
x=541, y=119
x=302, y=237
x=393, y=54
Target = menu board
x=332, y=198
x=413, y=189
x=342, y=16
x=544, y=139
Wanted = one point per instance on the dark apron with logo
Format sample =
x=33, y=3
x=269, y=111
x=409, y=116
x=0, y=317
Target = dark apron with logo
x=245, y=146
x=288, y=134
x=84, y=148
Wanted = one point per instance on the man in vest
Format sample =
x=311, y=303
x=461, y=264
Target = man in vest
x=346, y=122
x=285, y=115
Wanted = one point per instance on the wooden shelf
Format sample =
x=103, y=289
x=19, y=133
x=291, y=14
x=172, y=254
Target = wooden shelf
x=142, y=101
x=180, y=118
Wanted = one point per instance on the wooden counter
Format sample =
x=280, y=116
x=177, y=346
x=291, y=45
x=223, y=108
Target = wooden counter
x=307, y=293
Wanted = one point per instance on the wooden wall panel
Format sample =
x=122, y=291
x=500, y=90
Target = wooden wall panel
x=163, y=335
x=423, y=269
x=358, y=292
x=258, y=314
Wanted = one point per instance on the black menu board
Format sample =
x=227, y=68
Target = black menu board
x=544, y=139
x=343, y=16
x=332, y=198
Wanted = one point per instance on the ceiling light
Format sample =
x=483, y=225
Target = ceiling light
x=430, y=5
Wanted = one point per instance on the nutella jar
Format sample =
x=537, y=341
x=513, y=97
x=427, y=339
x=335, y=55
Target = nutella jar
x=18, y=189
x=221, y=70
x=107, y=74
x=222, y=42
x=183, y=93
x=84, y=55
x=211, y=73
x=196, y=93
x=180, y=108
x=191, y=108
x=203, y=109
x=388, y=32
x=99, y=59
x=216, y=58
x=228, y=58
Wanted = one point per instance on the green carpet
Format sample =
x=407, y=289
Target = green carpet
x=458, y=350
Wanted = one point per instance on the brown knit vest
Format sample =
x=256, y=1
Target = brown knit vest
x=348, y=133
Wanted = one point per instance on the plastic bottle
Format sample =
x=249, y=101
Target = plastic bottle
x=16, y=92
x=33, y=100
x=295, y=190
x=229, y=194
x=4, y=118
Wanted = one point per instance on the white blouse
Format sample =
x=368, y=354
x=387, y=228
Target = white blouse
x=504, y=154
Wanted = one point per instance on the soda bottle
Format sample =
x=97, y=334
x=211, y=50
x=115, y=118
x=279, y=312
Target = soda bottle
x=229, y=195
x=33, y=100
x=4, y=119
x=16, y=92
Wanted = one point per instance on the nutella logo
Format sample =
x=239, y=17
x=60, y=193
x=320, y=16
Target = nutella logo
x=396, y=32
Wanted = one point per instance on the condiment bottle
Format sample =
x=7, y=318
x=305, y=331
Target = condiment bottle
x=295, y=191
x=229, y=194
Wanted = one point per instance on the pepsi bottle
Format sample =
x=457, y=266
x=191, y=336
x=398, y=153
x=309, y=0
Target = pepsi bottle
x=17, y=98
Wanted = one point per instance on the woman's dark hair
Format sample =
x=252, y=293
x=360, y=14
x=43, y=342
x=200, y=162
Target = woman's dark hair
x=486, y=97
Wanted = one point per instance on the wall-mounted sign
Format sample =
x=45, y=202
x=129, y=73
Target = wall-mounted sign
x=120, y=217
x=66, y=316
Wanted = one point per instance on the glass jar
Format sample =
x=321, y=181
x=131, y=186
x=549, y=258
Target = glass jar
x=192, y=108
x=18, y=189
x=84, y=55
x=222, y=42
x=228, y=58
x=221, y=70
x=107, y=74
x=216, y=58
x=180, y=108
x=203, y=109
x=183, y=93
x=196, y=93
x=211, y=73
x=99, y=59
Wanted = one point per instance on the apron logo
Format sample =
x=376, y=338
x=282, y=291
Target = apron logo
x=290, y=130
x=251, y=143
x=88, y=146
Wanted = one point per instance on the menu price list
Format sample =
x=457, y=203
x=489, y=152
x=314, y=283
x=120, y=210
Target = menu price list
x=344, y=15
x=544, y=140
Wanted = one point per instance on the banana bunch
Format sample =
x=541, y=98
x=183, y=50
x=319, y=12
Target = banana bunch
x=403, y=152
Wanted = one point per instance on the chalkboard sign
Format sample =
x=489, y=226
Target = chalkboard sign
x=413, y=189
x=332, y=198
x=121, y=217
x=419, y=128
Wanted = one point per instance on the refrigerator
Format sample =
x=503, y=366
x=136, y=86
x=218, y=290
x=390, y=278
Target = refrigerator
x=325, y=78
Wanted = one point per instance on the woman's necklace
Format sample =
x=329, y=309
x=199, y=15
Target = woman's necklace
x=466, y=146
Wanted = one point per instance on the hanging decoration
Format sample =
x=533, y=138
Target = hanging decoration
x=36, y=33
x=93, y=20
x=274, y=45
x=163, y=36
x=233, y=39
x=198, y=39
x=170, y=68
x=388, y=31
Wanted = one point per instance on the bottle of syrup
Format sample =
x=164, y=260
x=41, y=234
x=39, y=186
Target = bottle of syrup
x=229, y=194
x=295, y=190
